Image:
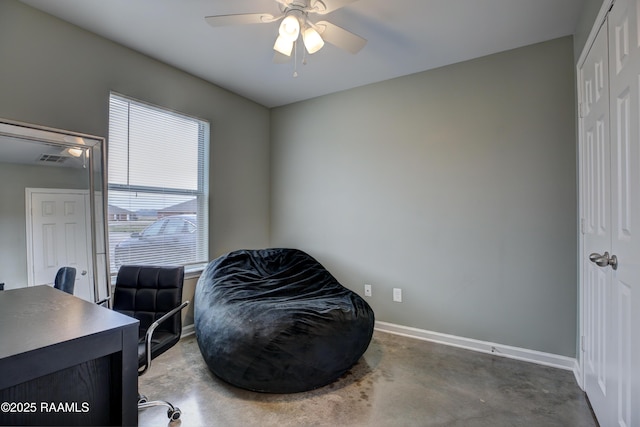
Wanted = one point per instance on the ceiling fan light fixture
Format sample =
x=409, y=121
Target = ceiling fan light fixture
x=312, y=40
x=283, y=45
x=290, y=28
x=75, y=152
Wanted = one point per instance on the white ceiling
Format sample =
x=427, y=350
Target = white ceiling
x=404, y=37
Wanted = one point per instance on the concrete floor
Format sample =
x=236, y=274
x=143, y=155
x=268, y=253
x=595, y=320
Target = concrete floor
x=398, y=382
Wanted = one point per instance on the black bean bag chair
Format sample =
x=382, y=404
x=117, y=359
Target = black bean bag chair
x=275, y=320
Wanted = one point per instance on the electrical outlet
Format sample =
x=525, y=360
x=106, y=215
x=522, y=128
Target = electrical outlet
x=397, y=294
x=367, y=290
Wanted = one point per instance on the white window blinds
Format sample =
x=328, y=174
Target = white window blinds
x=158, y=192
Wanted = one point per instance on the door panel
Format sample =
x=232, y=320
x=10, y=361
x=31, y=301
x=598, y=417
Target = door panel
x=59, y=237
x=624, y=46
x=610, y=209
x=596, y=211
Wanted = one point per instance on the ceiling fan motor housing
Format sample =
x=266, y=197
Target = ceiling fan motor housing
x=304, y=6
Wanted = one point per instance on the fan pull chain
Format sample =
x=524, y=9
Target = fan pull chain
x=295, y=59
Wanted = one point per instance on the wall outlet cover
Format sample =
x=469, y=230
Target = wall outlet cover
x=367, y=290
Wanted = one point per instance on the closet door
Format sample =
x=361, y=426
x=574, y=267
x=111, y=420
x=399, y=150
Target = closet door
x=598, y=303
x=624, y=72
x=610, y=188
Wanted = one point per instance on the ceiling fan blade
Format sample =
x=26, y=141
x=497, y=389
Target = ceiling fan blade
x=340, y=37
x=242, y=18
x=284, y=3
x=323, y=7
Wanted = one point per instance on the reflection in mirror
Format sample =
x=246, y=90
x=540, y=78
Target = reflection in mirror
x=52, y=211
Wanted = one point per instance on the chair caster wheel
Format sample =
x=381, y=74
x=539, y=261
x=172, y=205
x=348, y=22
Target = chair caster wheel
x=142, y=399
x=174, y=415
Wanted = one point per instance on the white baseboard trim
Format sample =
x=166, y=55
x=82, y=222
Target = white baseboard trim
x=533, y=356
x=188, y=330
x=577, y=372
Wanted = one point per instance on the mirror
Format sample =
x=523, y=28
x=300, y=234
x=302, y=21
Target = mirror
x=52, y=208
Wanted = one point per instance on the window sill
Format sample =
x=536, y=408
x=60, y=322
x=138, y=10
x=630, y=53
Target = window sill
x=194, y=270
x=190, y=271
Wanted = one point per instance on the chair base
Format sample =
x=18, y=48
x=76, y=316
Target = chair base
x=173, y=412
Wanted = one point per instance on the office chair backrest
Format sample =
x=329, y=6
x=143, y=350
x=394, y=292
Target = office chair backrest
x=147, y=293
x=65, y=279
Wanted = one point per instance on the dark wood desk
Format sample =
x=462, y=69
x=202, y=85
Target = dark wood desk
x=65, y=361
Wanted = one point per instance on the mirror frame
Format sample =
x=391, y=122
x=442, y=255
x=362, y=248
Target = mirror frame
x=98, y=206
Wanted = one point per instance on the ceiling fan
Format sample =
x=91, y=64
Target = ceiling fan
x=296, y=22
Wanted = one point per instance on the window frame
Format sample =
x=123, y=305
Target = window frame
x=201, y=194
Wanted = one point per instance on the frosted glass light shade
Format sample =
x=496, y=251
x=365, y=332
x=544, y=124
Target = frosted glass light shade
x=312, y=40
x=283, y=45
x=290, y=28
x=75, y=152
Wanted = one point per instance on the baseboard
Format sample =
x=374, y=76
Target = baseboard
x=188, y=330
x=533, y=356
x=577, y=372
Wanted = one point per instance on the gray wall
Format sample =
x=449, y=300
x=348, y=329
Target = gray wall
x=457, y=185
x=55, y=74
x=586, y=21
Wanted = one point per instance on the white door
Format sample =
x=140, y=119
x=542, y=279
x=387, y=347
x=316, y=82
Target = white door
x=59, y=237
x=595, y=222
x=611, y=220
x=624, y=71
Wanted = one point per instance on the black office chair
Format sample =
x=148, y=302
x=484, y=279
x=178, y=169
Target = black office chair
x=65, y=279
x=153, y=295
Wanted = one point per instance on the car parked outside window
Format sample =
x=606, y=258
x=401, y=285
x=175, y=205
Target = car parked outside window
x=168, y=241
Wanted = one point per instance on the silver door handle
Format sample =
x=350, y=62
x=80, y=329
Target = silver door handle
x=604, y=260
x=84, y=272
x=601, y=260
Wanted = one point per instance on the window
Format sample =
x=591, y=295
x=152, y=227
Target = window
x=158, y=185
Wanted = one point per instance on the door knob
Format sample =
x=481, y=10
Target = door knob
x=84, y=272
x=595, y=257
x=604, y=260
